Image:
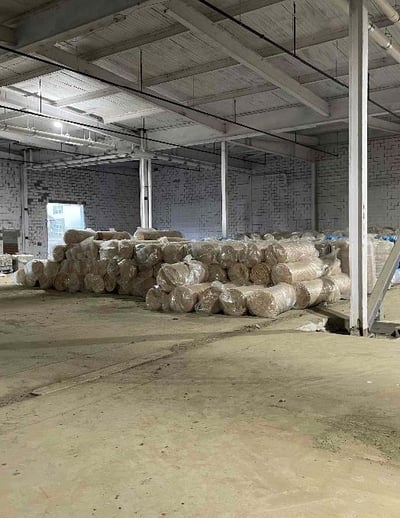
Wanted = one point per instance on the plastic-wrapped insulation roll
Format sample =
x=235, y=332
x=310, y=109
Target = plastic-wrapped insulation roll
x=146, y=234
x=73, y=282
x=104, y=235
x=157, y=299
x=209, y=303
x=148, y=255
x=19, y=277
x=59, y=252
x=293, y=251
x=184, y=298
x=72, y=236
x=324, y=248
x=198, y=272
x=127, y=269
x=342, y=246
x=227, y=256
x=109, y=249
x=110, y=282
x=311, y=293
x=126, y=248
x=239, y=274
x=342, y=280
x=100, y=267
x=45, y=282
x=94, y=283
x=124, y=286
x=113, y=268
x=233, y=300
x=290, y=273
x=156, y=269
x=250, y=255
x=217, y=273
x=89, y=247
x=174, y=252
x=172, y=275
x=60, y=281
x=205, y=252
x=30, y=280
x=66, y=266
x=332, y=263
x=271, y=302
x=261, y=274
x=35, y=267
x=141, y=284
x=51, y=268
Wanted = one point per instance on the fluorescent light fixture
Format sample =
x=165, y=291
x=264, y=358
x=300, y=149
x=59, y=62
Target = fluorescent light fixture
x=58, y=124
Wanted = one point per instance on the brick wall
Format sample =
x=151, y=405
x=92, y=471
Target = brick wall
x=10, y=206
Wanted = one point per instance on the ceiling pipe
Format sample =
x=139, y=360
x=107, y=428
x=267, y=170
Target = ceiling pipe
x=57, y=137
x=389, y=11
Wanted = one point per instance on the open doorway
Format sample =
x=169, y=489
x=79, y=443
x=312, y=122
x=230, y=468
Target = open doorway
x=62, y=217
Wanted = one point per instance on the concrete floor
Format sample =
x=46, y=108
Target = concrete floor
x=244, y=418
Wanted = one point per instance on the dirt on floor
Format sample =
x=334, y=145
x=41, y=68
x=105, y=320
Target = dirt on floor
x=240, y=417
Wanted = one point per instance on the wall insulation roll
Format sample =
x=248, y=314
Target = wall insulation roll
x=233, y=300
x=217, y=273
x=148, y=255
x=59, y=253
x=198, y=272
x=19, y=276
x=73, y=282
x=293, y=251
x=271, y=302
x=209, y=303
x=109, y=249
x=342, y=246
x=227, y=256
x=141, y=284
x=35, y=267
x=105, y=235
x=72, y=237
x=332, y=263
x=342, y=280
x=126, y=248
x=311, y=293
x=148, y=234
x=51, y=268
x=239, y=274
x=261, y=274
x=290, y=273
x=157, y=299
x=184, y=298
x=45, y=282
x=206, y=252
x=172, y=275
x=127, y=269
x=110, y=282
x=60, y=281
x=94, y=283
x=250, y=255
x=174, y=252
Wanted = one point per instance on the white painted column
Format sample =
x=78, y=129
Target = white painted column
x=149, y=193
x=358, y=166
x=24, y=203
x=224, y=192
x=314, y=207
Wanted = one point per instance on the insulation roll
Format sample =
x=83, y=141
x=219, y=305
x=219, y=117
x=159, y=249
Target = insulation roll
x=157, y=300
x=35, y=267
x=261, y=274
x=342, y=280
x=147, y=234
x=112, y=268
x=209, y=303
x=174, y=252
x=250, y=255
x=109, y=249
x=141, y=284
x=126, y=248
x=217, y=273
x=60, y=281
x=239, y=274
x=94, y=283
x=30, y=280
x=100, y=267
x=198, y=272
x=184, y=298
x=293, y=251
x=124, y=287
x=110, y=282
x=227, y=256
x=342, y=247
x=127, y=269
x=51, y=268
x=19, y=277
x=205, y=252
x=233, y=300
x=148, y=255
x=290, y=273
x=73, y=282
x=172, y=275
x=332, y=263
x=45, y=282
x=271, y=302
x=105, y=235
x=88, y=248
x=311, y=293
x=72, y=236
x=66, y=266
x=59, y=253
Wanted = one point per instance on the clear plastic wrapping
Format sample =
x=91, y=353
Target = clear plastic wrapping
x=261, y=274
x=35, y=267
x=172, y=275
x=19, y=277
x=271, y=302
x=174, y=252
x=149, y=233
x=250, y=255
x=51, y=268
x=110, y=282
x=148, y=255
x=127, y=269
x=239, y=274
x=290, y=273
x=109, y=249
x=73, y=282
x=184, y=298
x=126, y=248
x=342, y=280
x=217, y=273
x=141, y=284
x=233, y=300
x=157, y=299
x=209, y=303
x=59, y=252
x=72, y=236
x=198, y=272
x=293, y=251
x=227, y=256
x=60, y=281
x=105, y=235
x=311, y=293
x=332, y=263
x=343, y=250
x=206, y=252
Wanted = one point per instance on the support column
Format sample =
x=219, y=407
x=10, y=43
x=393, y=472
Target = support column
x=149, y=193
x=314, y=207
x=145, y=181
x=24, y=202
x=224, y=192
x=358, y=177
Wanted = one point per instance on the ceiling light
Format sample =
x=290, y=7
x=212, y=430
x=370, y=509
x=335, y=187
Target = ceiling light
x=57, y=124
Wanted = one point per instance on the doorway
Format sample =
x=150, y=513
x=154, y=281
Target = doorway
x=62, y=217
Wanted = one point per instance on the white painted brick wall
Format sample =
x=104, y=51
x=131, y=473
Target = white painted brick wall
x=10, y=206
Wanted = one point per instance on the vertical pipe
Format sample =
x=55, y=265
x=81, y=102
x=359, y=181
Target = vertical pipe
x=149, y=194
x=358, y=174
x=314, y=207
x=142, y=180
x=224, y=193
x=24, y=202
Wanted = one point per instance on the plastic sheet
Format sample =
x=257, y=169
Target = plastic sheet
x=172, y=275
x=157, y=299
x=148, y=255
x=217, y=273
x=50, y=269
x=72, y=236
x=127, y=269
x=332, y=263
x=261, y=274
x=113, y=268
x=227, y=255
x=239, y=274
x=88, y=248
x=105, y=235
x=250, y=255
x=174, y=252
x=271, y=302
x=184, y=298
x=149, y=233
x=233, y=300
x=198, y=272
x=293, y=251
x=311, y=293
x=141, y=284
x=342, y=280
x=290, y=273
x=35, y=267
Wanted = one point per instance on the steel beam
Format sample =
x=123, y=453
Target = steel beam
x=224, y=189
x=358, y=154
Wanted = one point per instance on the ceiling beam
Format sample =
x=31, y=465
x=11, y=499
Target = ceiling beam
x=278, y=148
x=7, y=35
x=80, y=65
x=200, y=24
x=87, y=96
x=129, y=116
x=383, y=125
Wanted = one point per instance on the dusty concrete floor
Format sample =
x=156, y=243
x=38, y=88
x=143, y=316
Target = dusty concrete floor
x=236, y=422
